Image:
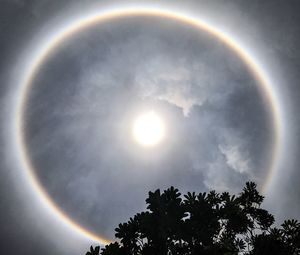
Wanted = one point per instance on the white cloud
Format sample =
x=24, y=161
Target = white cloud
x=235, y=159
x=231, y=165
x=176, y=82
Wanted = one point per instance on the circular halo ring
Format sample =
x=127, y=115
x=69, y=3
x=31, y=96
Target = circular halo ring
x=110, y=14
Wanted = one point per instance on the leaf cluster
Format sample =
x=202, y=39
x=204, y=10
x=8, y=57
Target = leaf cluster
x=204, y=223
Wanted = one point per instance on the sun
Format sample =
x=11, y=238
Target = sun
x=148, y=129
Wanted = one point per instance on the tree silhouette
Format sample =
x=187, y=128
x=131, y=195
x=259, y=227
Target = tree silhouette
x=204, y=223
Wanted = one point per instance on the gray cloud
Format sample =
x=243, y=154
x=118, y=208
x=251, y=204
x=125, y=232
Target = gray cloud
x=78, y=119
x=88, y=92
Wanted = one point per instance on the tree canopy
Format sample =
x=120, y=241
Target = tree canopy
x=204, y=223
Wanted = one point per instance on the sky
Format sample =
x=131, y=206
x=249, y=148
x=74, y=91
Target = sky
x=78, y=113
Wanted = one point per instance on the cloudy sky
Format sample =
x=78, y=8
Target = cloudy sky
x=84, y=97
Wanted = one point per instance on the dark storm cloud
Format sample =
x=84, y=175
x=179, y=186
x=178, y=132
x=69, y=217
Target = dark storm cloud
x=74, y=138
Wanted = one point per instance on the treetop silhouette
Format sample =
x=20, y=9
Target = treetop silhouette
x=204, y=223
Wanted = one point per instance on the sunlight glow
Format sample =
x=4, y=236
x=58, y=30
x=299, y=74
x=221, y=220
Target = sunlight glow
x=148, y=129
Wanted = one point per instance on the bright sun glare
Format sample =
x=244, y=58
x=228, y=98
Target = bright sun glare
x=148, y=129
